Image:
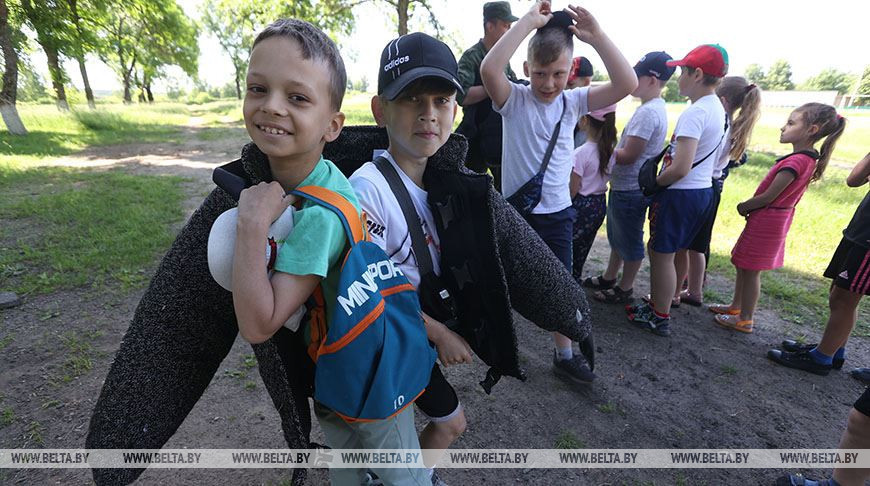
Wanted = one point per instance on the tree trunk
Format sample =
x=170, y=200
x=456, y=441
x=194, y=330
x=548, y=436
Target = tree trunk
x=89, y=93
x=402, y=10
x=56, y=75
x=128, y=97
x=8, y=94
x=238, y=84
x=148, y=94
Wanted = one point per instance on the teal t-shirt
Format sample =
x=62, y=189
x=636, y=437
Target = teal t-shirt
x=318, y=240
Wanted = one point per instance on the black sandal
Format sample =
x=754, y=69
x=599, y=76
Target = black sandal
x=614, y=295
x=599, y=283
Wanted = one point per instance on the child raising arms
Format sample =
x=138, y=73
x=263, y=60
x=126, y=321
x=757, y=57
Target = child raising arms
x=770, y=211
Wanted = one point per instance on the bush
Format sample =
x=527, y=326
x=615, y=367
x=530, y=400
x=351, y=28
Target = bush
x=198, y=98
x=99, y=120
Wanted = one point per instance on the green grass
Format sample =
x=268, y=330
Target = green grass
x=52, y=133
x=851, y=147
x=568, y=440
x=65, y=228
x=797, y=291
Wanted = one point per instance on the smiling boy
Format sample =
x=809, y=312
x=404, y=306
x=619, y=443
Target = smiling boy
x=295, y=84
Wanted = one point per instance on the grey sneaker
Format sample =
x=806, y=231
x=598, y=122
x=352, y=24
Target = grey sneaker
x=437, y=481
x=575, y=369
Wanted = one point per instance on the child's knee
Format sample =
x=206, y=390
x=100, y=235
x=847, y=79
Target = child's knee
x=455, y=426
x=858, y=424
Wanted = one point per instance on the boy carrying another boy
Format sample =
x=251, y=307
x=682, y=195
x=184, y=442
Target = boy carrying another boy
x=186, y=322
x=538, y=124
x=470, y=240
x=642, y=138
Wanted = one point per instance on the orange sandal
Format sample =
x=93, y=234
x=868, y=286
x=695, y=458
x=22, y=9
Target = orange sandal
x=733, y=322
x=724, y=309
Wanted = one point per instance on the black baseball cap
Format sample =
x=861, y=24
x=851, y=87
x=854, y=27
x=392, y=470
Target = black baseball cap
x=411, y=57
x=498, y=11
x=655, y=64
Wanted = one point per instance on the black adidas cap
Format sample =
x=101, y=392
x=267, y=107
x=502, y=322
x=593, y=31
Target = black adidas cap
x=412, y=57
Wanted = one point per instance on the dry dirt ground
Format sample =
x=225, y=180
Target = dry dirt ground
x=703, y=387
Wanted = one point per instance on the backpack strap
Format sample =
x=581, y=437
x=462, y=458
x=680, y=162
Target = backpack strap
x=355, y=231
x=412, y=219
x=338, y=204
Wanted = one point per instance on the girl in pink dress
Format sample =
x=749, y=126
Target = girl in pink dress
x=770, y=211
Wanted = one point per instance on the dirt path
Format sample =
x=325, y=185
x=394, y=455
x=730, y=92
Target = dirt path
x=701, y=388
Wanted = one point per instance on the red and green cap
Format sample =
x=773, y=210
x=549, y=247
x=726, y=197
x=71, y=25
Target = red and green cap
x=710, y=58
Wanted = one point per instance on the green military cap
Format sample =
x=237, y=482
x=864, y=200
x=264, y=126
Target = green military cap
x=498, y=11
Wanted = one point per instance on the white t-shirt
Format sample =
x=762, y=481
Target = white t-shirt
x=586, y=166
x=386, y=222
x=649, y=122
x=724, y=153
x=705, y=122
x=527, y=127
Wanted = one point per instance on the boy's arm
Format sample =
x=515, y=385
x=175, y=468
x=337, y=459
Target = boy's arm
x=782, y=179
x=684, y=154
x=451, y=347
x=262, y=306
x=623, y=80
x=492, y=68
x=629, y=152
x=860, y=174
x=574, y=184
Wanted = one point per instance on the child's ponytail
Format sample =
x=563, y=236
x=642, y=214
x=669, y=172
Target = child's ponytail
x=831, y=126
x=747, y=98
x=606, y=130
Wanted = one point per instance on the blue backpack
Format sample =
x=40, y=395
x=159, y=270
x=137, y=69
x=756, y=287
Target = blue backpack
x=374, y=358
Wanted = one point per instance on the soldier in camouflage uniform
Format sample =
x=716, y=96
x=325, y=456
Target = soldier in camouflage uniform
x=480, y=124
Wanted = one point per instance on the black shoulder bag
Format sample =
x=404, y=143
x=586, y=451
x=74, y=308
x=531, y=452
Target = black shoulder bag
x=646, y=177
x=435, y=300
x=527, y=197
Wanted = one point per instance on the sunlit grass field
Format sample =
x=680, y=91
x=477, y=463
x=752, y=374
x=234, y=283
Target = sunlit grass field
x=798, y=291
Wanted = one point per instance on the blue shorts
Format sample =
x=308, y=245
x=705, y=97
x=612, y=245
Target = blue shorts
x=626, y=214
x=676, y=216
x=556, y=231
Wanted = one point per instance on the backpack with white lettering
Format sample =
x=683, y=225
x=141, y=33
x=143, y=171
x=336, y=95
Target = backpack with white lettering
x=374, y=358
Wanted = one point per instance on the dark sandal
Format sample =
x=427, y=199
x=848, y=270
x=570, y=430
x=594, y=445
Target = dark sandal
x=598, y=283
x=690, y=299
x=614, y=295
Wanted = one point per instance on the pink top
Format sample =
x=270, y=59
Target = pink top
x=586, y=166
x=761, y=245
x=802, y=164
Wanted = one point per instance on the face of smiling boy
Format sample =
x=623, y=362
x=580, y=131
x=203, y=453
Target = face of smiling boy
x=549, y=80
x=288, y=109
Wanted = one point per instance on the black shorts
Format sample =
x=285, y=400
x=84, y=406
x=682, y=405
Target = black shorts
x=439, y=401
x=850, y=267
x=701, y=242
x=863, y=403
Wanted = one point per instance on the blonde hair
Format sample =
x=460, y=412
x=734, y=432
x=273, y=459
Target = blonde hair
x=831, y=126
x=747, y=98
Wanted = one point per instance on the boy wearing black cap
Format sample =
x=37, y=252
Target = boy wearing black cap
x=642, y=138
x=534, y=114
x=468, y=239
